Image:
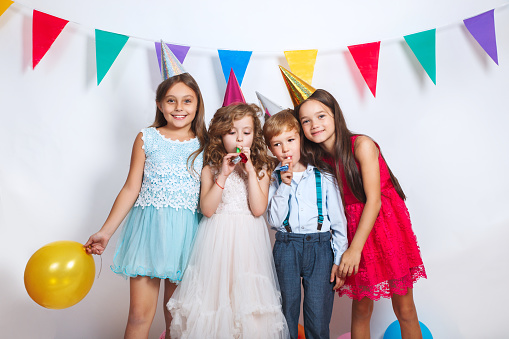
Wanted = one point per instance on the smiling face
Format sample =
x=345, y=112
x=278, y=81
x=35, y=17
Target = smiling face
x=286, y=146
x=317, y=123
x=179, y=106
x=241, y=134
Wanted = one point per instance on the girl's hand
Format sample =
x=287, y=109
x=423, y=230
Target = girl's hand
x=287, y=176
x=248, y=166
x=227, y=166
x=336, y=278
x=349, y=263
x=97, y=243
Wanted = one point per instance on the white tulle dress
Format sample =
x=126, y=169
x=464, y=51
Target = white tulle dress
x=230, y=288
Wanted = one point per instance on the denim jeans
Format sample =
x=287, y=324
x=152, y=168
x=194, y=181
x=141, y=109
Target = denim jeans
x=310, y=257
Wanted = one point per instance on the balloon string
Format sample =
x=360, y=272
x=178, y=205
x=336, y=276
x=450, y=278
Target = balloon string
x=101, y=267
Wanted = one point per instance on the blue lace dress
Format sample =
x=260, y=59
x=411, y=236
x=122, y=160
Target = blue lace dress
x=159, y=230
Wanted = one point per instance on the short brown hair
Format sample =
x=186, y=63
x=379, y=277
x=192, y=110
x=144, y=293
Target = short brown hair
x=279, y=123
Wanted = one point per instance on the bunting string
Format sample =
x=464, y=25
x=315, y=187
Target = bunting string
x=46, y=29
x=278, y=52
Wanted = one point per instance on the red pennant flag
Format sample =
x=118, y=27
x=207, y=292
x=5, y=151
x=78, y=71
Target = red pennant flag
x=366, y=59
x=45, y=30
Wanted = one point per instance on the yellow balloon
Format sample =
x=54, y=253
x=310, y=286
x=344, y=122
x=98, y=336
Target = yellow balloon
x=59, y=274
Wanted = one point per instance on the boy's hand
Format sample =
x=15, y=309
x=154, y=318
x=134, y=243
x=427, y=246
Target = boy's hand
x=335, y=277
x=286, y=176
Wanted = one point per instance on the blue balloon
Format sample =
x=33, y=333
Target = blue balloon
x=394, y=331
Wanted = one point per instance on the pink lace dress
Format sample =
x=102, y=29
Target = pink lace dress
x=390, y=260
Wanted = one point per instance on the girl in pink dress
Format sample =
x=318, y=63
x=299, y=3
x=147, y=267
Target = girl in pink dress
x=383, y=258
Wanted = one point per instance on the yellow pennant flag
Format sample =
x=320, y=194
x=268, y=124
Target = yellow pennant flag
x=4, y=4
x=302, y=63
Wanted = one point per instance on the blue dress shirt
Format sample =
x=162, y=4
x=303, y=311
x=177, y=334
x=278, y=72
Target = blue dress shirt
x=300, y=199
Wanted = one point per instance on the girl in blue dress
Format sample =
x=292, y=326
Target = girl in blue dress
x=160, y=199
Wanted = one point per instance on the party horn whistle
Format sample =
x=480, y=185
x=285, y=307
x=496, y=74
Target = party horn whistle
x=241, y=157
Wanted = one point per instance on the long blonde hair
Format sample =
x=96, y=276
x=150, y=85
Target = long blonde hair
x=222, y=123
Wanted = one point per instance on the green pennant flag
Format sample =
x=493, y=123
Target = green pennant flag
x=107, y=47
x=423, y=46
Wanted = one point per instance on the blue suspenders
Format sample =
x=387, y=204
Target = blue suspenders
x=318, y=181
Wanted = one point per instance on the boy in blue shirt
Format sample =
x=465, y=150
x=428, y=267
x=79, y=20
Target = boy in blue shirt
x=306, y=210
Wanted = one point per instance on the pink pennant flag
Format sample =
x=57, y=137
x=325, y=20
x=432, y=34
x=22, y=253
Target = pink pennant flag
x=482, y=28
x=366, y=59
x=45, y=30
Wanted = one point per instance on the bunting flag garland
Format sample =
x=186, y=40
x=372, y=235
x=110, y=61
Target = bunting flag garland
x=4, y=4
x=269, y=107
x=233, y=94
x=366, y=59
x=45, y=29
x=302, y=63
x=179, y=51
x=423, y=46
x=236, y=60
x=482, y=28
x=107, y=47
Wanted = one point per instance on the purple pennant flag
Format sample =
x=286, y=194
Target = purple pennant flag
x=482, y=28
x=179, y=51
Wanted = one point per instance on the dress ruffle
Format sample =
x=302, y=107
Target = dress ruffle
x=390, y=260
x=155, y=242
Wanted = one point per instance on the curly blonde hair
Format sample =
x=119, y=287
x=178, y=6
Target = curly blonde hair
x=222, y=123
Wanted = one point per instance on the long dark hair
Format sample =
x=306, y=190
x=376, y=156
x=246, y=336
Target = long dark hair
x=198, y=125
x=344, y=158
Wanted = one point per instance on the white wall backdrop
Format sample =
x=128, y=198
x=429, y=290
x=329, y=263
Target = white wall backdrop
x=65, y=142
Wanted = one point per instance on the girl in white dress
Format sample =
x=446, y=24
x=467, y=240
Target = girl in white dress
x=230, y=288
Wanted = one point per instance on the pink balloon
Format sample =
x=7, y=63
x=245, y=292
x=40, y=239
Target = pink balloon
x=345, y=336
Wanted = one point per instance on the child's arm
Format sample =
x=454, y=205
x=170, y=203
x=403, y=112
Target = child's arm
x=336, y=215
x=366, y=153
x=97, y=242
x=278, y=206
x=257, y=189
x=212, y=190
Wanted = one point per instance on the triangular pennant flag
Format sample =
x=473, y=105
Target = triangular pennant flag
x=233, y=94
x=366, y=59
x=236, y=60
x=422, y=45
x=179, y=51
x=45, y=30
x=268, y=106
x=482, y=28
x=298, y=89
x=302, y=63
x=107, y=47
x=4, y=4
